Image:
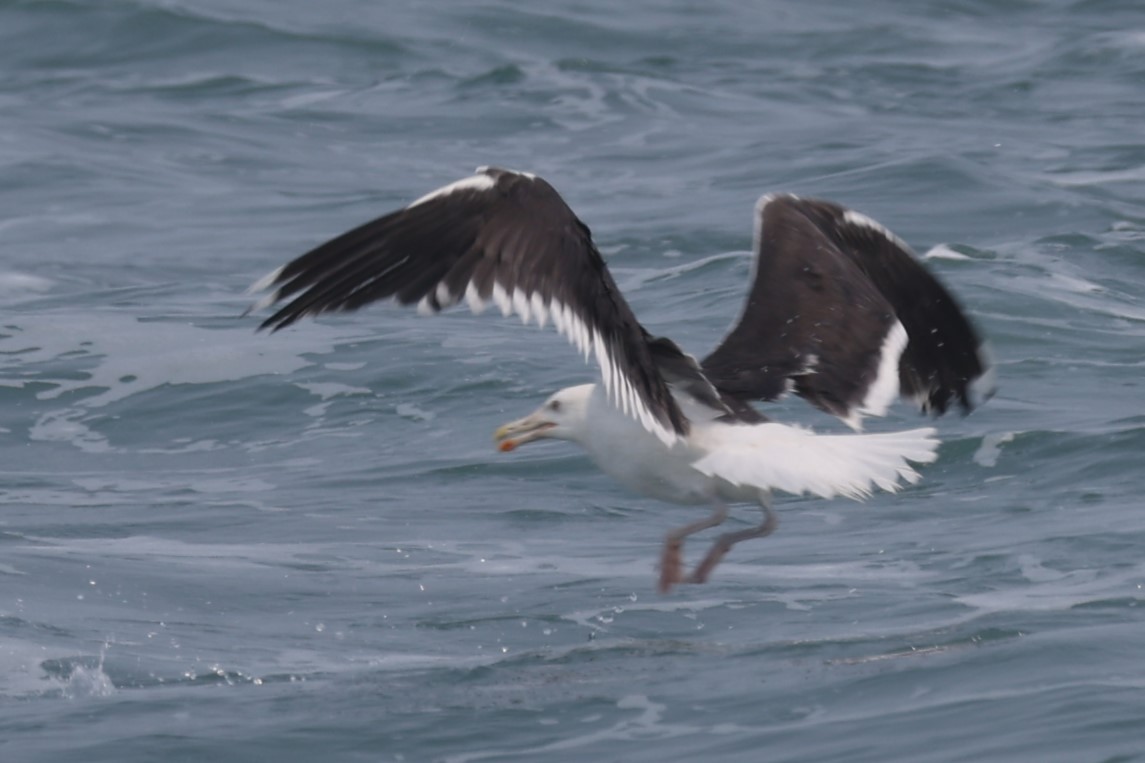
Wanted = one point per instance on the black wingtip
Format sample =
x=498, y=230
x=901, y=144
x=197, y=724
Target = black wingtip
x=277, y=322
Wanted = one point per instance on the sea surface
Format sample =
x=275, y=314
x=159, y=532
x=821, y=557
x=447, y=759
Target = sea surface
x=223, y=545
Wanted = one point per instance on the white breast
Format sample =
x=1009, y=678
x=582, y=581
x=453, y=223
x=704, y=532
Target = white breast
x=740, y=462
x=640, y=461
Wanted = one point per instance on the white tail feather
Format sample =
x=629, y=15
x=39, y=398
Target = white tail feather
x=795, y=460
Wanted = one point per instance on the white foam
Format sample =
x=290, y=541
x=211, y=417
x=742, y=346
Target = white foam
x=991, y=448
x=13, y=283
x=983, y=388
x=944, y=252
x=22, y=674
x=413, y=412
x=123, y=356
x=1050, y=590
x=328, y=390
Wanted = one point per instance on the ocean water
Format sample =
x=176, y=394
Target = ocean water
x=218, y=545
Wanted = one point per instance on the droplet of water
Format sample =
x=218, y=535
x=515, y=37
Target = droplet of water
x=88, y=682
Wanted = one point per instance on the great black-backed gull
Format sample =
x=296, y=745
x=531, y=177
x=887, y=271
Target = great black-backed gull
x=839, y=312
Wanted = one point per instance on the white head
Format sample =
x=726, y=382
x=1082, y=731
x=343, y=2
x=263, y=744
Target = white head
x=564, y=416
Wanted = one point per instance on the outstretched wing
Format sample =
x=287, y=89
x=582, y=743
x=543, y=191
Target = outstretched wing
x=841, y=312
x=945, y=361
x=498, y=236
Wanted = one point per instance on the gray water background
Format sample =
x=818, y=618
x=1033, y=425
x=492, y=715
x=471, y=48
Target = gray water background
x=217, y=545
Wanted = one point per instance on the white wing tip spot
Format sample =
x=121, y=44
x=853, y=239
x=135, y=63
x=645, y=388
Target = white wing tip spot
x=473, y=299
x=522, y=306
x=266, y=301
x=540, y=310
x=485, y=169
x=502, y=300
x=885, y=386
x=767, y=198
x=443, y=295
x=862, y=221
x=479, y=182
x=264, y=283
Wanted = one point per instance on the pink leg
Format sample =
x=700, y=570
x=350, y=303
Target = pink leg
x=670, y=565
x=726, y=541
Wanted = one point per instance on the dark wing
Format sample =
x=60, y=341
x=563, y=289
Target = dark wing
x=945, y=360
x=500, y=236
x=841, y=312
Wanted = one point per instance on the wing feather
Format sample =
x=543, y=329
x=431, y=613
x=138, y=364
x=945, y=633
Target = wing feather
x=502, y=237
x=833, y=297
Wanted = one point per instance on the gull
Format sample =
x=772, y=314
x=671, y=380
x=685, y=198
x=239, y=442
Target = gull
x=839, y=311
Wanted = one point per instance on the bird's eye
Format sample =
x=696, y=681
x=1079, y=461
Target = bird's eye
x=554, y=405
